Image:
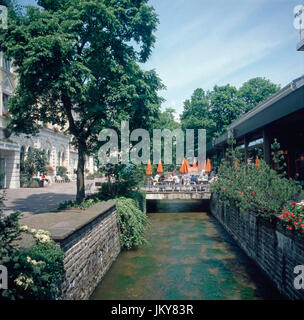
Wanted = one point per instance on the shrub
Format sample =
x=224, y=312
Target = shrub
x=133, y=224
x=61, y=171
x=35, y=163
x=87, y=203
x=35, y=273
x=258, y=190
x=293, y=217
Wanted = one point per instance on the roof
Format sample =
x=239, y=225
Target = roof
x=286, y=101
x=300, y=46
x=4, y=2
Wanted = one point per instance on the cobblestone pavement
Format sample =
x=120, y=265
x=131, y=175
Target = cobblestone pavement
x=40, y=200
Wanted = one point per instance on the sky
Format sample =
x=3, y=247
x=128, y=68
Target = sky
x=204, y=43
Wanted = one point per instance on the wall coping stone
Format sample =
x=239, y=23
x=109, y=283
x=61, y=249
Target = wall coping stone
x=64, y=223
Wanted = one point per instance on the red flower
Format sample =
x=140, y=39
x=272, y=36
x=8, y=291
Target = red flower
x=289, y=228
x=300, y=220
x=252, y=192
x=302, y=226
x=294, y=203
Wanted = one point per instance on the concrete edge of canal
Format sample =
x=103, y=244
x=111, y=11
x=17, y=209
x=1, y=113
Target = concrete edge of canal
x=275, y=250
x=91, y=241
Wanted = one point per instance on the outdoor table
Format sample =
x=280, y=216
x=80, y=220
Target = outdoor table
x=202, y=181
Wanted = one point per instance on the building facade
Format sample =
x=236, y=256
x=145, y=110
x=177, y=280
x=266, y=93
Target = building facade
x=56, y=144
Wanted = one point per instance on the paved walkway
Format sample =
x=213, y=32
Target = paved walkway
x=41, y=200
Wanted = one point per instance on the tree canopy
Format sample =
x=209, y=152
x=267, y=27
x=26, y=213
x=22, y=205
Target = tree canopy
x=78, y=67
x=214, y=110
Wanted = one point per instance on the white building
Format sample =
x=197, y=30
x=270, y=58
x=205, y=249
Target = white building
x=55, y=143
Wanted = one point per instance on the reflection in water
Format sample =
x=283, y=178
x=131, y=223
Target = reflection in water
x=191, y=257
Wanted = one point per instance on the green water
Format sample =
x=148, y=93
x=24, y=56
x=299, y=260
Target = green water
x=191, y=257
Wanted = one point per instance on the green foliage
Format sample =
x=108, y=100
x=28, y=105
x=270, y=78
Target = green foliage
x=258, y=190
x=127, y=177
x=215, y=110
x=78, y=64
x=35, y=163
x=61, y=171
x=278, y=158
x=167, y=120
x=133, y=224
x=255, y=91
x=131, y=214
x=34, y=273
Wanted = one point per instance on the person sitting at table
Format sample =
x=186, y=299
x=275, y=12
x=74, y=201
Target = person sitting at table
x=162, y=177
x=194, y=179
x=213, y=179
x=176, y=179
x=203, y=175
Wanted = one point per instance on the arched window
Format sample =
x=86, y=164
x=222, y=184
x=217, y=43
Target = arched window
x=63, y=158
x=49, y=157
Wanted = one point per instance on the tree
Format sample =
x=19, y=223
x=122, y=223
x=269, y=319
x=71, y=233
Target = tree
x=255, y=91
x=196, y=114
x=167, y=120
x=226, y=106
x=35, y=163
x=78, y=68
x=215, y=110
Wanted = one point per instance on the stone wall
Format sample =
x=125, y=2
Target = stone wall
x=91, y=242
x=275, y=250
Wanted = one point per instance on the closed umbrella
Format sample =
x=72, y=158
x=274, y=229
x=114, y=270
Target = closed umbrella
x=149, y=169
x=202, y=165
x=208, y=166
x=183, y=169
x=257, y=163
x=194, y=166
x=187, y=164
x=236, y=164
x=160, y=167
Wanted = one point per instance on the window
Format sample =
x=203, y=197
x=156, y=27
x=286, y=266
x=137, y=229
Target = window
x=5, y=98
x=6, y=64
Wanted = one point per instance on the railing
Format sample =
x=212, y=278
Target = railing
x=172, y=188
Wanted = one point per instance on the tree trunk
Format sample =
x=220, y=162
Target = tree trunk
x=80, y=174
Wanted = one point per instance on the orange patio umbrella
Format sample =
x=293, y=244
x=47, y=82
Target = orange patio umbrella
x=202, y=165
x=208, y=166
x=183, y=169
x=160, y=167
x=194, y=166
x=149, y=169
x=257, y=163
x=187, y=164
x=236, y=164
